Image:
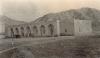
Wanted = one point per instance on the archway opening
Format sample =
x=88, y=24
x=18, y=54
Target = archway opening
x=17, y=33
x=22, y=31
x=42, y=30
x=51, y=29
x=28, y=31
x=35, y=30
x=12, y=32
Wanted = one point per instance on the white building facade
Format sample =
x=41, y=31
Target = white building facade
x=83, y=27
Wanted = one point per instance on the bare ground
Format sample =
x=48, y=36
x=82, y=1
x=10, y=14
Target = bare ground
x=61, y=47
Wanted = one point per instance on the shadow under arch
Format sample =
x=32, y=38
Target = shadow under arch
x=42, y=30
x=35, y=30
x=12, y=33
x=28, y=31
x=17, y=33
x=51, y=29
x=22, y=31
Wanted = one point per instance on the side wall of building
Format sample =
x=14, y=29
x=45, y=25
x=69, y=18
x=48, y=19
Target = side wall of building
x=83, y=27
x=67, y=27
x=96, y=27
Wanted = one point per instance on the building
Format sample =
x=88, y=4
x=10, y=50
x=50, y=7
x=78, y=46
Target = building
x=83, y=27
x=81, y=22
x=73, y=27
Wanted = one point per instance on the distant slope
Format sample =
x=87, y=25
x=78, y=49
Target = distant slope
x=9, y=21
x=82, y=14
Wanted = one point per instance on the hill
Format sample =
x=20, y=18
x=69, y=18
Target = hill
x=8, y=21
x=82, y=14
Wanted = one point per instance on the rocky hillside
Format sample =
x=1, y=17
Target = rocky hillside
x=9, y=21
x=82, y=14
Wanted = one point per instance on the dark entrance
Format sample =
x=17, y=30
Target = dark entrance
x=22, y=32
x=12, y=33
x=42, y=30
x=17, y=33
x=51, y=29
x=35, y=31
x=28, y=31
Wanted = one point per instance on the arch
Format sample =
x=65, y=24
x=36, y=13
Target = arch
x=17, y=33
x=42, y=30
x=12, y=32
x=28, y=31
x=35, y=30
x=22, y=31
x=51, y=29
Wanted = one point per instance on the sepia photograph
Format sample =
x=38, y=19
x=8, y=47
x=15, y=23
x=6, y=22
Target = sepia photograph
x=49, y=28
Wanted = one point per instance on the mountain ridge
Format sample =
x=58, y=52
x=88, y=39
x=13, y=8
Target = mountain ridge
x=81, y=14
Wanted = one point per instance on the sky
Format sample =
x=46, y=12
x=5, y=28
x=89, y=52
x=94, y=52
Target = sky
x=29, y=10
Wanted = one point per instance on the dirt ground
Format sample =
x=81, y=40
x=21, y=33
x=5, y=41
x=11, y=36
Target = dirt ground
x=79, y=47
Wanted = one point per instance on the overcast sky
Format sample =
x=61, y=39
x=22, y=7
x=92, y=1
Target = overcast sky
x=29, y=10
